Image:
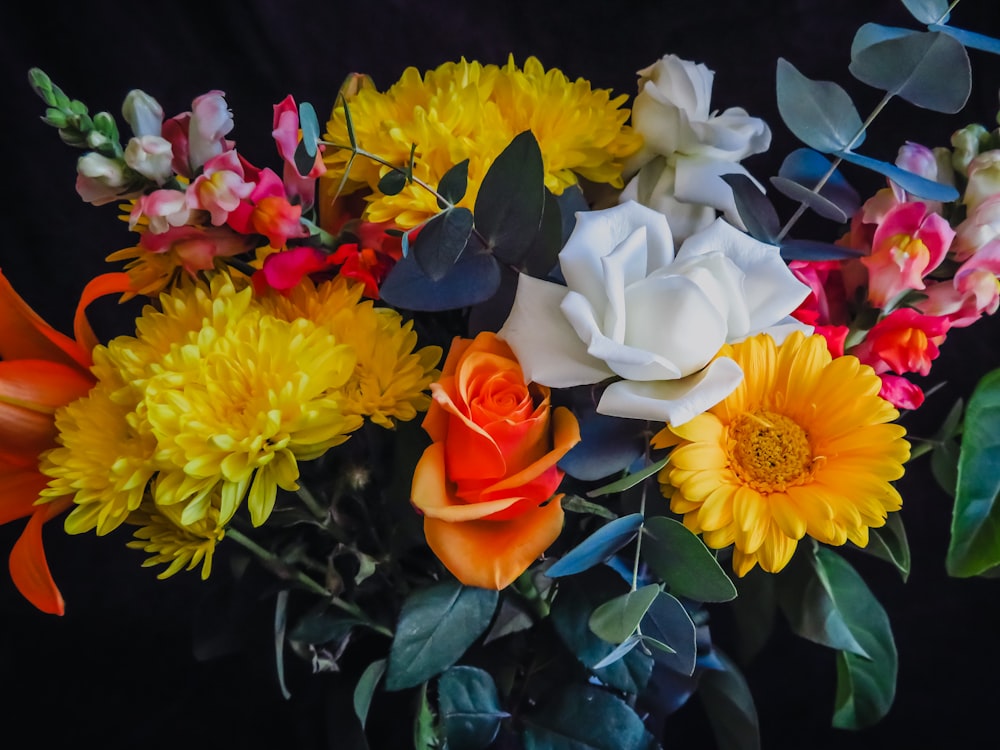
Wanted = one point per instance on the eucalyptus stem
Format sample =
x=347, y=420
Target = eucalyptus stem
x=836, y=163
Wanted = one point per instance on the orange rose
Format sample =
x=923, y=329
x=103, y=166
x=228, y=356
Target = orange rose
x=486, y=484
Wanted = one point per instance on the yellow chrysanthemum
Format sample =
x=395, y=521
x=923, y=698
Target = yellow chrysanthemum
x=466, y=110
x=392, y=377
x=804, y=445
x=172, y=542
x=103, y=460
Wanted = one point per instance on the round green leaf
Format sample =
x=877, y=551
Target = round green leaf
x=669, y=624
x=616, y=620
x=441, y=241
x=436, y=626
x=819, y=113
x=928, y=11
x=597, y=547
x=682, y=561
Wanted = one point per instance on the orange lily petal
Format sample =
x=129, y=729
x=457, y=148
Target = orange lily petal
x=19, y=489
x=24, y=335
x=29, y=568
x=492, y=554
x=99, y=286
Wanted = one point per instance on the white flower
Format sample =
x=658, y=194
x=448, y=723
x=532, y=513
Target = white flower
x=100, y=179
x=695, y=146
x=143, y=113
x=150, y=156
x=632, y=309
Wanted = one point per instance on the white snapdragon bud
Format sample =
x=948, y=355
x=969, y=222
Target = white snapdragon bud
x=150, y=156
x=143, y=113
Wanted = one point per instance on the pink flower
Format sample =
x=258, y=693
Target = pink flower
x=909, y=243
x=903, y=341
x=981, y=226
x=287, y=136
x=900, y=392
x=973, y=292
x=220, y=188
x=283, y=271
x=210, y=121
x=162, y=208
x=197, y=247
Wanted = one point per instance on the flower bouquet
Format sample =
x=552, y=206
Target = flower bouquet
x=525, y=406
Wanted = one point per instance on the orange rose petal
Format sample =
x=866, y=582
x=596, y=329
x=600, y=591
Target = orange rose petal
x=492, y=554
x=30, y=570
x=24, y=335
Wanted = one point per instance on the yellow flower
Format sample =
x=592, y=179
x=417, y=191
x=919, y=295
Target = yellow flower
x=391, y=379
x=466, y=110
x=171, y=542
x=804, y=445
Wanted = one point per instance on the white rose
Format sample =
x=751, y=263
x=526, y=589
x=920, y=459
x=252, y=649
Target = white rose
x=672, y=112
x=633, y=309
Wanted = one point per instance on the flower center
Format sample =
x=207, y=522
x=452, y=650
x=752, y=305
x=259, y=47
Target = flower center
x=769, y=451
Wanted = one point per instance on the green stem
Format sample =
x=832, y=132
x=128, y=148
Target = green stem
x=309, y=500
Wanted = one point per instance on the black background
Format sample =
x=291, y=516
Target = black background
x=119, y=668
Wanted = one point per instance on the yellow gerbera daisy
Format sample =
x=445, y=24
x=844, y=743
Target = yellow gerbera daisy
x=392, y=377
x=804, y=445
x=466, y=110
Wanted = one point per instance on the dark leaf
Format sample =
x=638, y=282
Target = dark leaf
x=974, y=546
x=441, y=242
x=437, y=624
x=807, y=167
x=927, y=68
x=815, y=250
x=819, y=113
x=629, y=480
x=597, y=547
x=608, y=445
x=585, y=717
x=683, y=562
x=889, y=543
x=473, y=279
x=364, y=691
x=392, y=182
x=754, y=611
x=801, y=194
x=468, y=708
x=729, y=706
x=669, y=623
x=756, y=211
x=453, y=184
x=866, y=686
x=511, y=199
x=543, y=254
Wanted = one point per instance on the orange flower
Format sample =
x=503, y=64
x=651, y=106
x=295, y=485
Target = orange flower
x=40, y=370
x=486, y=484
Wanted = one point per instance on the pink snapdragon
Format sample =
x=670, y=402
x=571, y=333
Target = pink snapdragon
x=196, y=247
x=162, y=209
x=974, y=291
x=903, y=341
x=909, y=243
x=220, y=188
x=287, y=135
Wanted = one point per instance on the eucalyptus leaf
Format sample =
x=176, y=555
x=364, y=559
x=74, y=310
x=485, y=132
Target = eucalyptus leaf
x=474, y=278
x=577, y=504
x=944, y=465
x=974, y=545
x=792, y=249
x=323, y=626
x=511, y=199
x=970, y=38
x=819, y=113
x=811, y=199
x=585, y=717
x=468, y=708
x=668, y=622
x=543, y=253
x=309, y=125
x=928, y=11
x=866, y=686
x=755, y=210
x=513, y=617
x=811, y=605
x=754, y=612
x=436, y=626
x=424, y=733
x=629, y=480
x=608, y=445
x=728, y=703
x=597, y=547
x=364, y=691
x=615, y=620
x=682, y=561
x=620, y=651
x=808, y=167
x=453, y=184
x=441, y=241
x=926, y=68
x=578, y=597
x=909, y=181
x=392, y=182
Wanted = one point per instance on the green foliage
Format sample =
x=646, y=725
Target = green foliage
x=617, y=619
x=441, y=241
x=974, y=545
x=454, y=183
x=669, y=630
x=597, y=547
x=585, y=717
x=468, y=708
x=819, y=113
x=364, y=691
x=436, y=626
x=889, y=543
x=729, y=706
x=682, y=561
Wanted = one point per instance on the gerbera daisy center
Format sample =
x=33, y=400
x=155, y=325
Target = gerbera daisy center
x=769, y=451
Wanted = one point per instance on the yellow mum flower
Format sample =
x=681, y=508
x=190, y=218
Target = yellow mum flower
x=103, y=460
x=173, y=543
x=804, y=445
x=392, y=377
x=466, y=110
